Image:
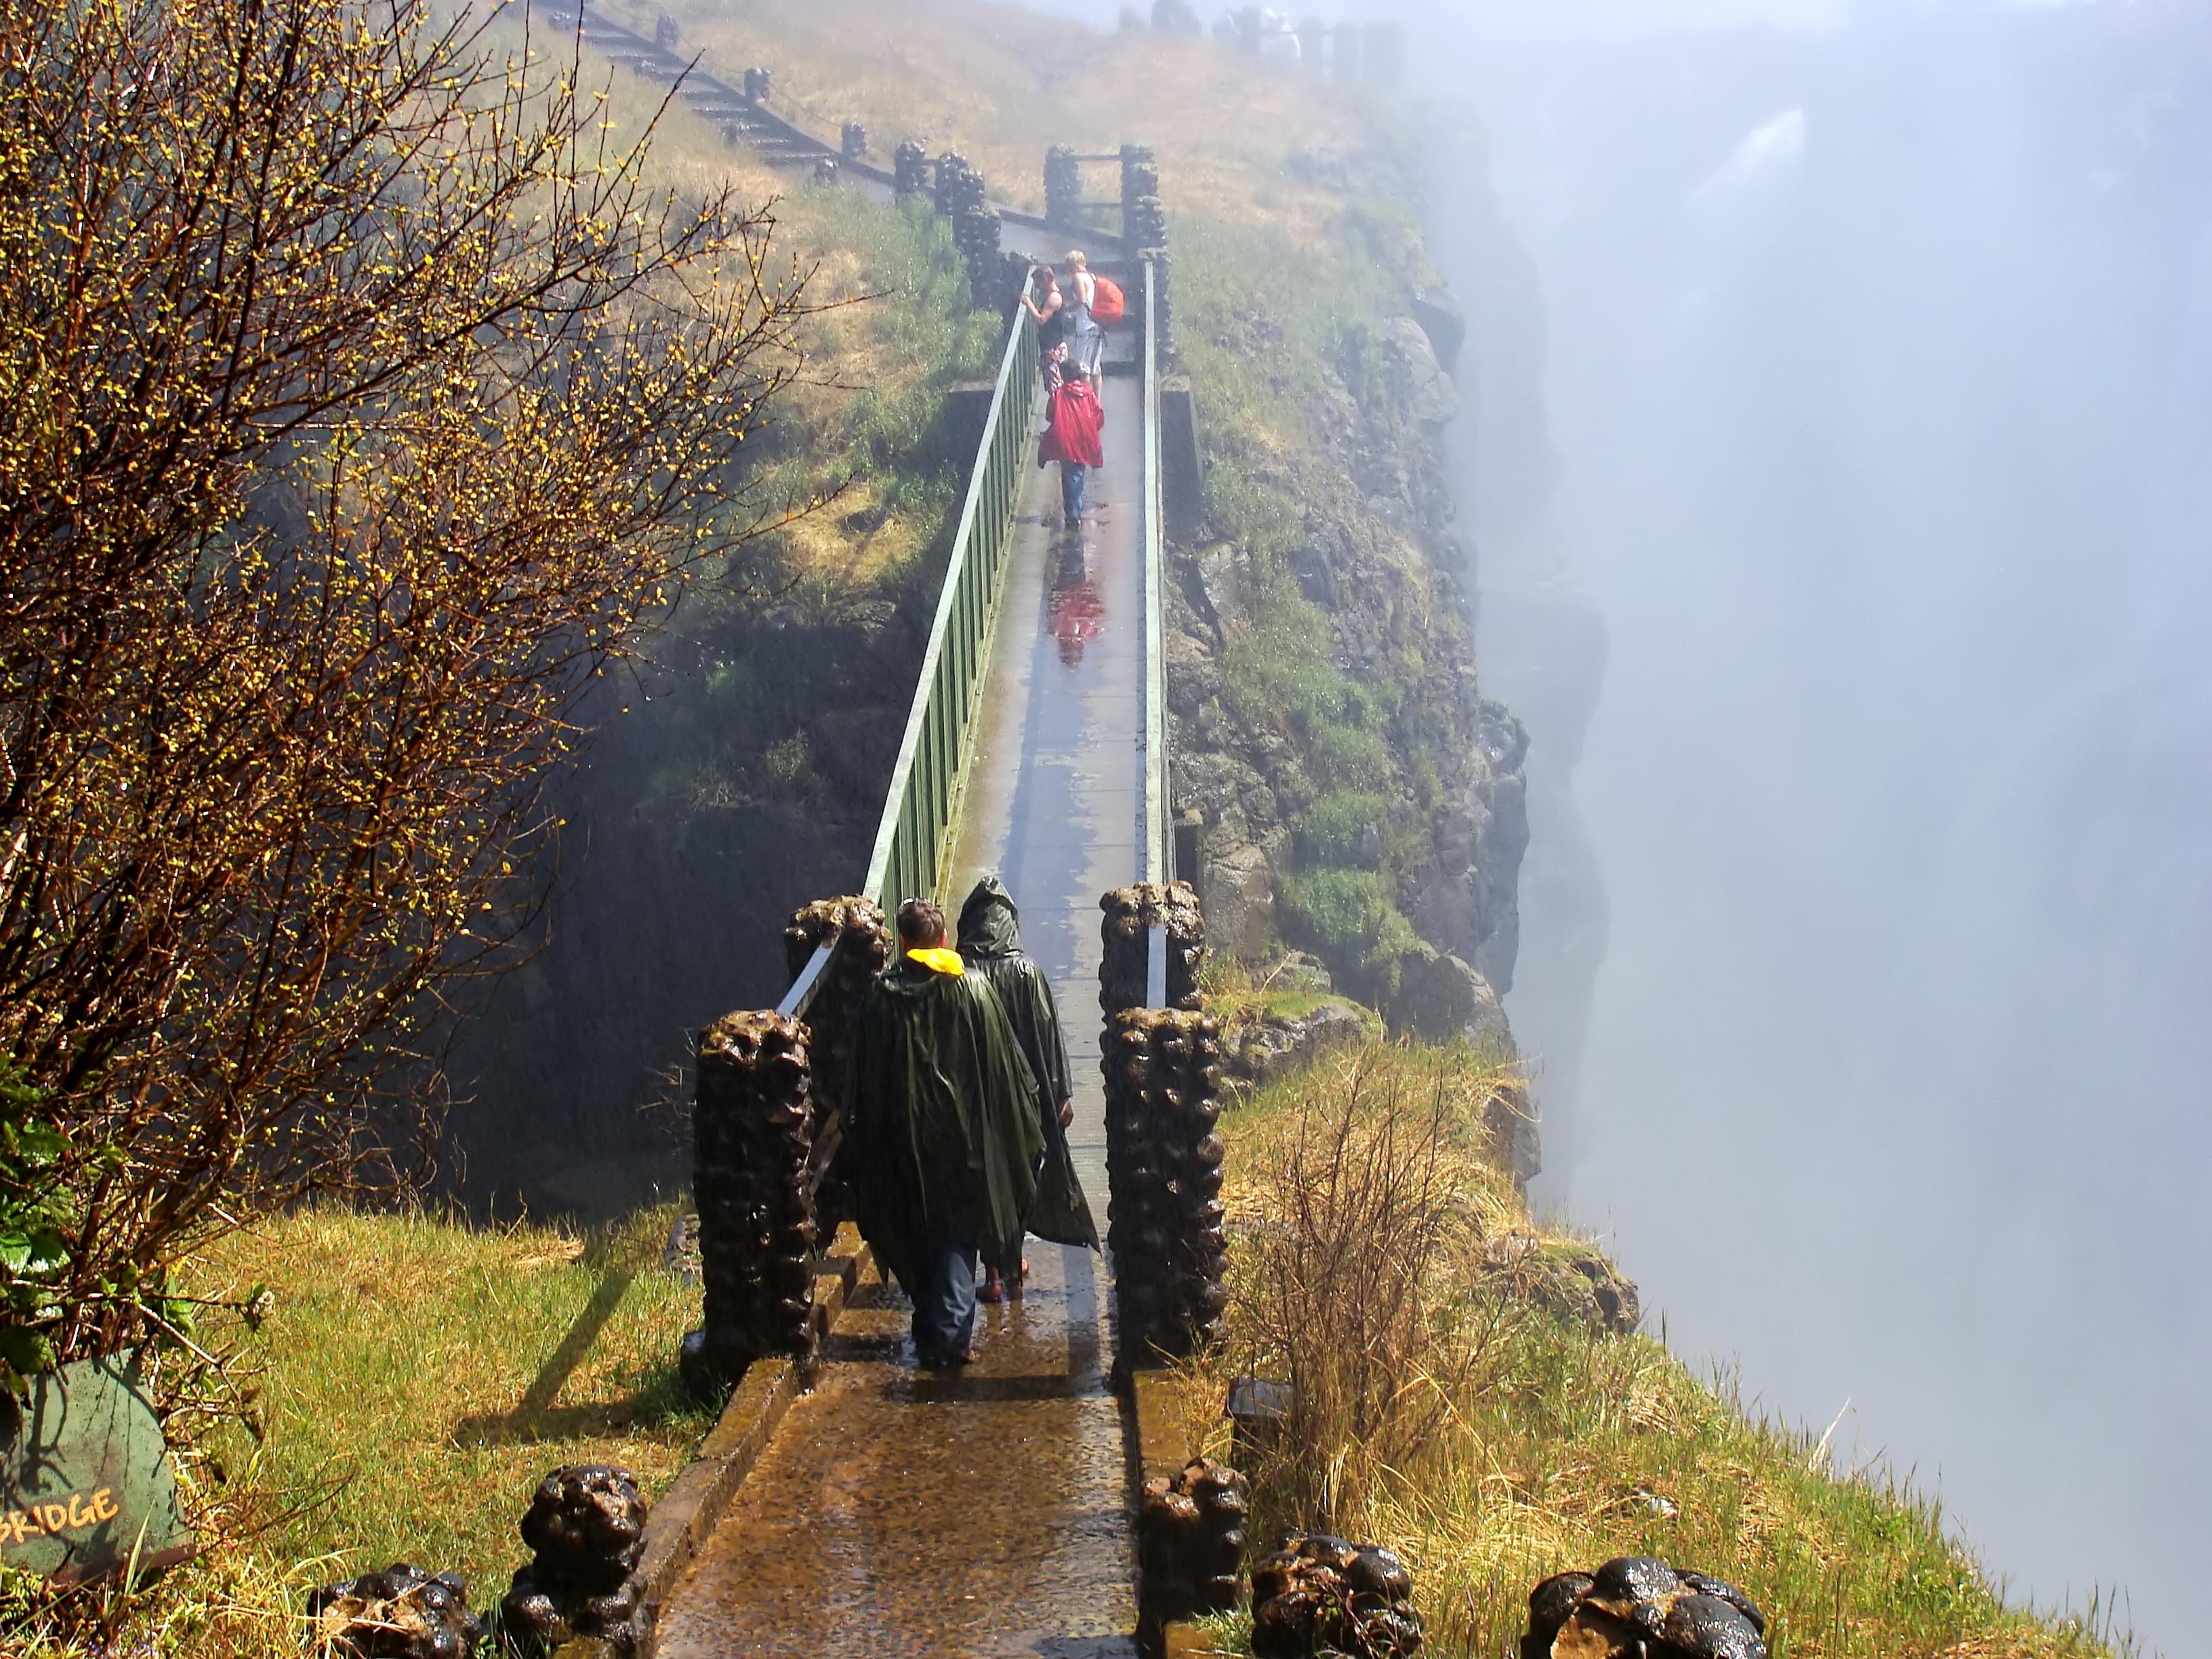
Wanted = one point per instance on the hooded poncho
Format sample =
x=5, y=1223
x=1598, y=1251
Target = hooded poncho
x=991, y=942
x=1073, y=421
x=940, y=1123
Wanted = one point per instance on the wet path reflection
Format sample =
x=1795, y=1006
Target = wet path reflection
x=982, y=1512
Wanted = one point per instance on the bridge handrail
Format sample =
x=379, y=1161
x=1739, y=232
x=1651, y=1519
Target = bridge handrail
x=918, y=807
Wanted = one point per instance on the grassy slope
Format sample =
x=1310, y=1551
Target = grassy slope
x=412, y=1380
x=1499, y=1444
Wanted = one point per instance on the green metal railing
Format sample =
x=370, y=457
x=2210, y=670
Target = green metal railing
x=923, y=805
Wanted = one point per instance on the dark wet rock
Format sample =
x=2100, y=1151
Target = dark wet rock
x=1572, y=1282
x=1439, y=997
x=1550, y=1605
x=1705, y=1584
x=401, y=1613
x=1639, y=1608
x=1190, y=1542
x=586, y=1527
x=1267, y=1047
x=1634, y=1578
x=1711, y=1628
x=1323, y=1595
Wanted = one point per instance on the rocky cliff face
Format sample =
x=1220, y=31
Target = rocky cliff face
x=1431, y=825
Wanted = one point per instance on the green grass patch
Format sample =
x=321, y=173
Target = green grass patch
x=413, y=1380
x=1445, y=1412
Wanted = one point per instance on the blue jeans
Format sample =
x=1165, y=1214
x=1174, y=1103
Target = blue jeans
x=943, y=1297
x=1070, y=488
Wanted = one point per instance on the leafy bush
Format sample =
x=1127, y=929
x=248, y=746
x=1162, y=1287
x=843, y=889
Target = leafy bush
x=1335, y=827
x=1347, y=916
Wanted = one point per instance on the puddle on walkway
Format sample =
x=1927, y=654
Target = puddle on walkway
x=978, y=1512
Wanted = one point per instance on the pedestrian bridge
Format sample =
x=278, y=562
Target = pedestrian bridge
x=885, y=1511
x=986, y=1512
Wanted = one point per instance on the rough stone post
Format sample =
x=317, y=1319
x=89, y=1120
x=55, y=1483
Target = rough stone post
x=1162, y=278
x=1140, y=177
x=825, y=169
x=1313, y=36
x=666, y=34
x=757, y=85
x=1130, y=913
x=952, y=168
x=1190, y=1544
x=857, y=927
x=909, y=169
x=586, y=1530
x=1163, y=1173
x=1321, y=1594
x=853, y=140
x=401, y=1613
x=1063, y=185
x=753, y=1131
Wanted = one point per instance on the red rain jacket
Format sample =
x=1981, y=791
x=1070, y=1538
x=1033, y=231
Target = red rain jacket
x=1073, y=421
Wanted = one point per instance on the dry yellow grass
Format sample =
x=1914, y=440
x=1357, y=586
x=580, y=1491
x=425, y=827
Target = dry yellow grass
x=1000, y=83
x=1444, y=1413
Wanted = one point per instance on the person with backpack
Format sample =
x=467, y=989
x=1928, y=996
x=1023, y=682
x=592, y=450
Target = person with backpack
x=1094, y=303
x=1073, y=423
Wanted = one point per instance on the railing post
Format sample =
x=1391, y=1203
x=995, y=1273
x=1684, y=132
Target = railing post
x=753, y=1133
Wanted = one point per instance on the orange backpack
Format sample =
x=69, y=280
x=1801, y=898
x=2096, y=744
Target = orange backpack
x=1106, y=306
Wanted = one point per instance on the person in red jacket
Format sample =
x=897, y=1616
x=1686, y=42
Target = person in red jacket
x=1072, y=423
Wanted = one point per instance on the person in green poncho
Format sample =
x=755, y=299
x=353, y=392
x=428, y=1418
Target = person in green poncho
x=941, y=1130
x=991, y=945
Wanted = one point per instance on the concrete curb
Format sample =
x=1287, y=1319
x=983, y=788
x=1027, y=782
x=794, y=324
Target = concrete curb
x=1160, y=1453
x=696, y=1500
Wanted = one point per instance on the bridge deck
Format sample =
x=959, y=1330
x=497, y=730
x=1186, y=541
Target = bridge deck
x=982, y=1513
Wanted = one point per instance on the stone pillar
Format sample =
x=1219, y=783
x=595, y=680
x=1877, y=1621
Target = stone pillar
x=1190, y=1544
x=1313, y=38
x=665, y=32
x=1163, y=302
x=1140, y=177
x=952, y=168
x=586, y=1528
x=1163, y=1173
x=909, y=169
x=1320, y=1595
x=1063, y=186
x=756, y=85
x=1130, y=913
x=825, y=169
x=752, y=1132
x=856, y=927
x=853, y=140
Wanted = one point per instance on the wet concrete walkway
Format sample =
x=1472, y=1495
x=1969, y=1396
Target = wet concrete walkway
x=984, y=1512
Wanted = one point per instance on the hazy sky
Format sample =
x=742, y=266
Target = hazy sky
x=1880, y=382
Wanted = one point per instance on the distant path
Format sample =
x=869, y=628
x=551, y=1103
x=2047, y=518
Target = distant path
x=778, y=138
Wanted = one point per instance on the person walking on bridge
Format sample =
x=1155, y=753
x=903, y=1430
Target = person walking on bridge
x=991, y=945
x=941, y=1126
x=1073, y=422
x=1086, y=335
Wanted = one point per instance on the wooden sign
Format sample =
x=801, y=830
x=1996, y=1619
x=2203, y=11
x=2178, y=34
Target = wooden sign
x=85, y=1482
